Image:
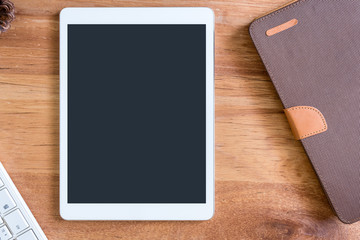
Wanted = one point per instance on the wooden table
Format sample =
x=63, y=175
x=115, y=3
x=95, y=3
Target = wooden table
x=265, y=185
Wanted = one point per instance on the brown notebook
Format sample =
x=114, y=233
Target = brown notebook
x=311, y=50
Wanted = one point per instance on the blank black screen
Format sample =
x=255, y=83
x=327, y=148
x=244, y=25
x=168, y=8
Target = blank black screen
x=136, y=113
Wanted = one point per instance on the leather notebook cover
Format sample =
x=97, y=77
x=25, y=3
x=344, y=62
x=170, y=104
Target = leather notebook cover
x=311, y=50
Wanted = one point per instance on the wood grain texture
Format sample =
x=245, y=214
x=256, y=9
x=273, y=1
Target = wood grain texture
x=265, y=185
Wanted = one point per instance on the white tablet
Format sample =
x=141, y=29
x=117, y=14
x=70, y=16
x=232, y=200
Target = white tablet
x=136, y=113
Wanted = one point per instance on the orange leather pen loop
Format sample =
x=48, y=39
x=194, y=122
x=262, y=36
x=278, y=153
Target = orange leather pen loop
x=305, y=121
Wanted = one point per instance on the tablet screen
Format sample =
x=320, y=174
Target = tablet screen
x=136, y=113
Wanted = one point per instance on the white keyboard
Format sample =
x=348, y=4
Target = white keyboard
x=16, y=219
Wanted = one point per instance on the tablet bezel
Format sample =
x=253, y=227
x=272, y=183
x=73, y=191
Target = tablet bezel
x=71, y=211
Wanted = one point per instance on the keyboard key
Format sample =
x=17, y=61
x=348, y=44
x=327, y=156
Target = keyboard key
x=16, y=221
x=4, y=233
x=1, y=183
x=29, y=235
x=6, y=201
